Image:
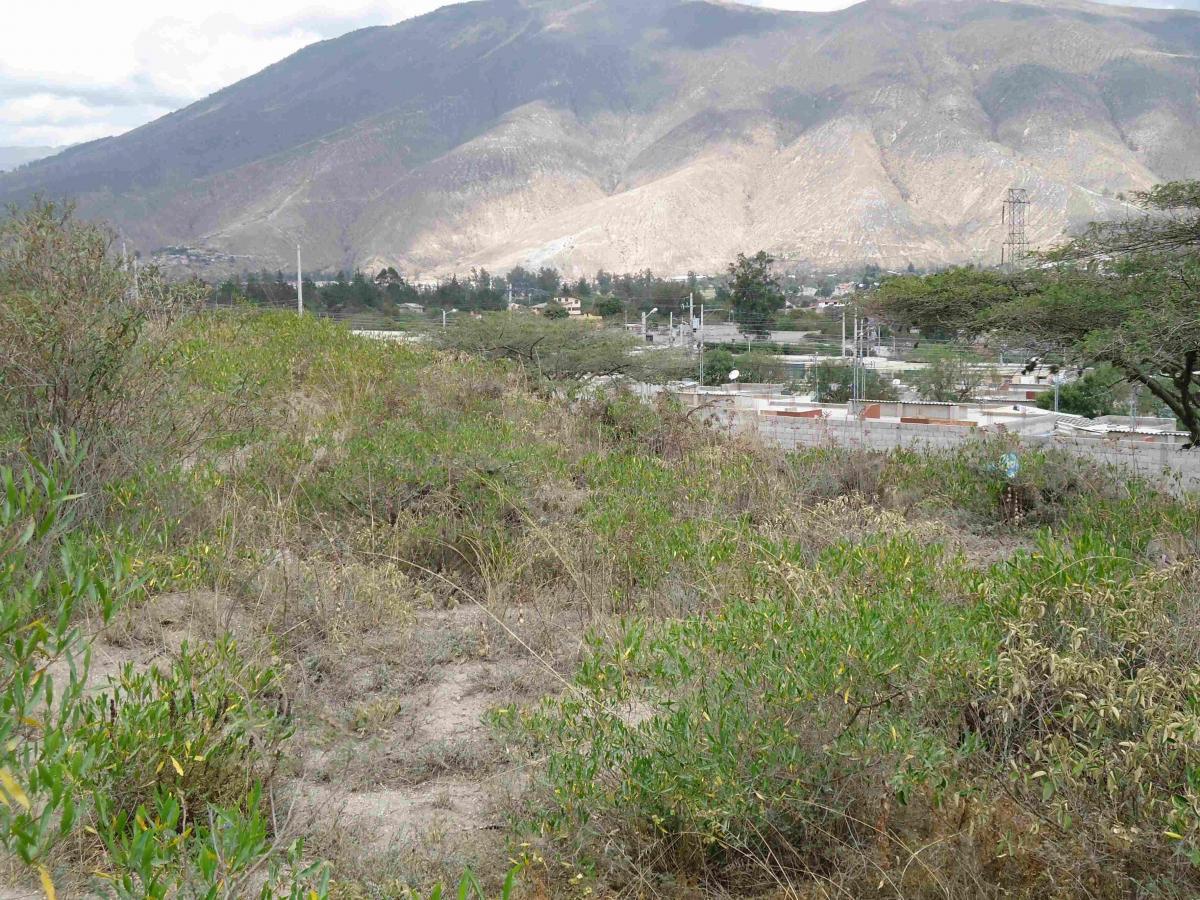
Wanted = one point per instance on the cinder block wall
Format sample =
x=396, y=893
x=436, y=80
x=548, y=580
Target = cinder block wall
x=1160, y=461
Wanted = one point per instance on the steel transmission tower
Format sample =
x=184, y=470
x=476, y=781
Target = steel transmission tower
x=1012, y=214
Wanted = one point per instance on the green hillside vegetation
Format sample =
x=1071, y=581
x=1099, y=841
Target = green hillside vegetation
x=293, y=613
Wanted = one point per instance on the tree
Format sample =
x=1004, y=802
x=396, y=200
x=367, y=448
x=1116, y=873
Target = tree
x=560, y=350
x=1171, y=224
x=754, y=293
x=1143, y=320
x=1091, y=395
x=521, y=279
x=762, y=368
x=363, y=293
x=832, y=382
x=717, y=366
x=555, y=311
x=1124, y=293
x=608, y=307
x=548, y=280
x=947, y=378
x=945, y=304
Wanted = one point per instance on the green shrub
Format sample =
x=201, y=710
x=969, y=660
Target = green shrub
x=1037, y=722
x=80, y=767
x=86, y=350
x=765, y=731
x=1091, y=713
x=48, y=579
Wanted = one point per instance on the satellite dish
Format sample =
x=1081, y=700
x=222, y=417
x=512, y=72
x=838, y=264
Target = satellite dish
x=733, y=375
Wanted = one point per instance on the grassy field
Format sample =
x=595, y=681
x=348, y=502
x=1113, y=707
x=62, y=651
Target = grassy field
x=390, y=614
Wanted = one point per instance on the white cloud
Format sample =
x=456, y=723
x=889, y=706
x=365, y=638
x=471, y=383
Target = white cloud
x=50, y=119
x=72, y=71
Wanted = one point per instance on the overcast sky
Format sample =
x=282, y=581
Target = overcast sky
x=73, y=71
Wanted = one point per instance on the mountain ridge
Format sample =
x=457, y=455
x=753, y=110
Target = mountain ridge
x=665, y=134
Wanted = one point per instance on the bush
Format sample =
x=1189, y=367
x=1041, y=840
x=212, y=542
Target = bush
x=47, y=579
x=832, y=382
x=717, y=366
x=1094, y=394
x=1089, y=714
x=761, y=737
x=882, y=710
x=86, y=347
x=556, y=349
x=152, y=768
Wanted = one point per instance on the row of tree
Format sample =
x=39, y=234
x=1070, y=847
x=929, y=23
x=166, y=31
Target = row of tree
x=751, y=295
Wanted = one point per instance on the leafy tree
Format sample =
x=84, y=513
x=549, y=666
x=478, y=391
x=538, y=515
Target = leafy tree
x=754, y=293
x=565, y=350
x=548, y=280
x=832, y=381
x=717, y=366
x=363, y=294
x=1144, y=322
x=1124, y=293
x=1091, y=395
x=555, y=311
x=1171, y=224
x=489, y=298
x=942, y=305
x=228, y=291
x=608, y=307
x=947, y=378
x=521, y=279
x=761, y=368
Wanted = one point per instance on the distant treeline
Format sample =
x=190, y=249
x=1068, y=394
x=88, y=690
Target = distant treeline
x=605, y=293
x=388, y=290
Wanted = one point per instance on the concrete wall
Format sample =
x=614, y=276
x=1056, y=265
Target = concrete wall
x=1159, y=461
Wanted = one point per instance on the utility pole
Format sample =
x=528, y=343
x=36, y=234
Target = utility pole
x=125, y=265
x=854, y=365
x=299, y=284
x=843, y=353
x=443, y=318
x=701, y=343
x=671, y=328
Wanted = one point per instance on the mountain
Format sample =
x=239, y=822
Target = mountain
x=668, y=134
x=11, y=157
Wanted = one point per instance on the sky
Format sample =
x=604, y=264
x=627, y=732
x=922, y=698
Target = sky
x=74, y=71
